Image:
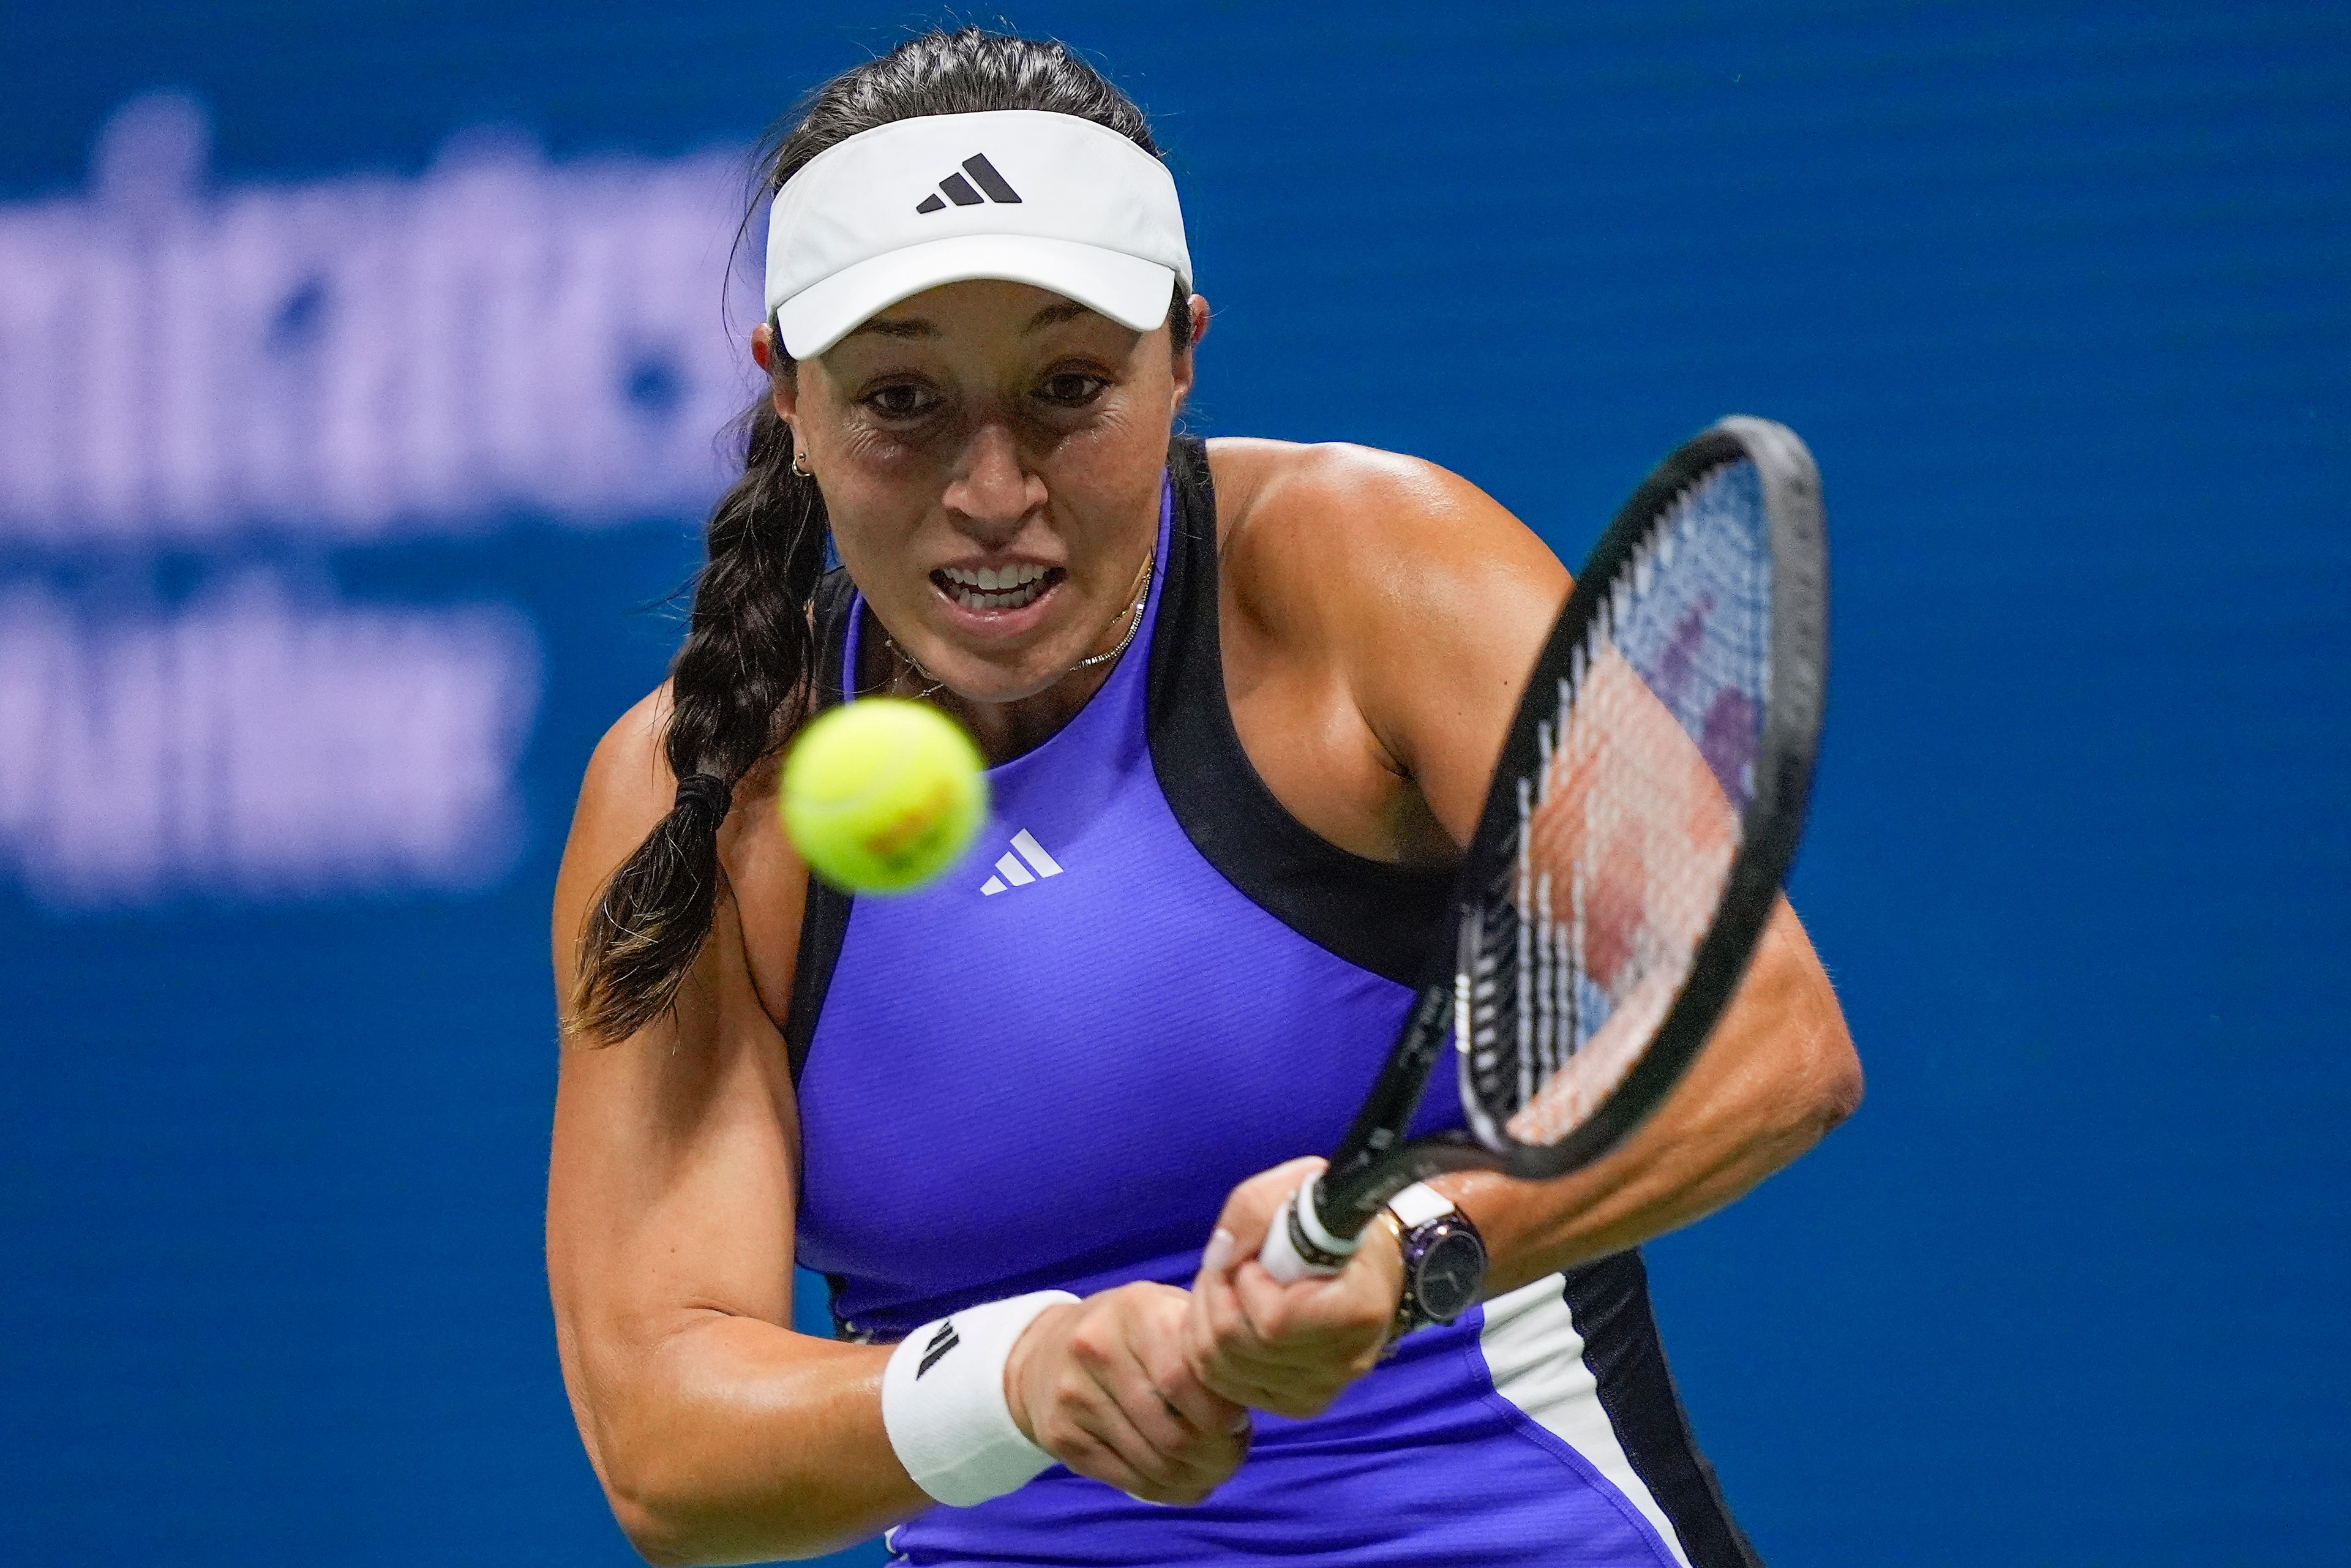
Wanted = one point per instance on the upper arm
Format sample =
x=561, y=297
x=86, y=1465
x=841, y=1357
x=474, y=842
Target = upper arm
x=1431, y=602
x=1429, y=599
x=671, y=1187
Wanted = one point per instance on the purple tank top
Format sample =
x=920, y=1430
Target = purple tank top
x=1050, y=1066
x=1047, y=1069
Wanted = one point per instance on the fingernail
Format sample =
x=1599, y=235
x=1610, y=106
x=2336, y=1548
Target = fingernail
x=1241, y=1422
x=1219, y=1253
x=1149, y=1502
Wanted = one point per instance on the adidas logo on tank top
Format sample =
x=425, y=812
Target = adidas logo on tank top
x=1021, y=864
x=992, y=187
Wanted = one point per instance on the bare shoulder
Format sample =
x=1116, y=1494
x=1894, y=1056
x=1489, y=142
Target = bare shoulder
x=629, y=763
x=627, y=790
x=1335, y=533
x=1290, y=473
x=1403, y=593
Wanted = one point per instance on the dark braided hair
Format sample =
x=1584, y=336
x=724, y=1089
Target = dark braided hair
x=745, y=676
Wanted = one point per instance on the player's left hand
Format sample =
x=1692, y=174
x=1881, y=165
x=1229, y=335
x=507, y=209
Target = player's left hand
x=1290, y=1349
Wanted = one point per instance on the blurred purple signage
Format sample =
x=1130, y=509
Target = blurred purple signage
x=240, y=373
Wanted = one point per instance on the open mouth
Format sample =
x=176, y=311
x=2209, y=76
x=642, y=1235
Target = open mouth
x=997, y=588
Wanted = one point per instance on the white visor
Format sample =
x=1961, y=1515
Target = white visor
x=1045, y=199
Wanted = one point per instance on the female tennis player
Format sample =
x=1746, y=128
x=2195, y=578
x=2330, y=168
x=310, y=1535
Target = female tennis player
x=1242, y=701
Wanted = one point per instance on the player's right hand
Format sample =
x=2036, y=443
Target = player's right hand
x=1104, y=1386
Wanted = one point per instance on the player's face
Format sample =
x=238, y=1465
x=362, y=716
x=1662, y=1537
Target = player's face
x=990, y=456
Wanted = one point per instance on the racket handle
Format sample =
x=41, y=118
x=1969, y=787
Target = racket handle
x=1297, y=1247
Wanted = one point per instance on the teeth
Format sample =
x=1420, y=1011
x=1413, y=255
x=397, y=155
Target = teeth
x=995, y=580
x=991, y=587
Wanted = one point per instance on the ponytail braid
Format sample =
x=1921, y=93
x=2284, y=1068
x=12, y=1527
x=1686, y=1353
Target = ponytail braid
x=745, y=673
x=742, y=674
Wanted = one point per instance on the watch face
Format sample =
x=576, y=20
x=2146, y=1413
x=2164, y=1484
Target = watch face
x=1450, y=1276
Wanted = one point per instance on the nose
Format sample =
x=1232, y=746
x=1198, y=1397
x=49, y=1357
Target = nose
x=993, y=490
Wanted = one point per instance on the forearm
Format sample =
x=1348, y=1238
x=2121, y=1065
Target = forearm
x=730, y=1439
x=1532, y=1230
x=1778, y=1073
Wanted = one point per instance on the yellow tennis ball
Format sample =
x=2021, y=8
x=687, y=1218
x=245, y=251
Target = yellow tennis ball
x=881, y=795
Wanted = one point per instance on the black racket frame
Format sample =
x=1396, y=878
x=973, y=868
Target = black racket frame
x=1372, y=1163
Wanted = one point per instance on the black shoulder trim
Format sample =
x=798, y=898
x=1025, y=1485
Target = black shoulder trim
x=1610, y=1302
x=1389, y=919
x=825, y=918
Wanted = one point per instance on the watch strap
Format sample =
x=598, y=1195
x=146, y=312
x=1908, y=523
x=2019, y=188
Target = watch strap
x=1422, y=1217
x=1419, y=1204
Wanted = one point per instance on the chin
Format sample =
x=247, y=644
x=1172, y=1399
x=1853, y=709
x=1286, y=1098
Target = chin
x=979, y=680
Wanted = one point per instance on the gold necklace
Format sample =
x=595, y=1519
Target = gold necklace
x=1134, y=624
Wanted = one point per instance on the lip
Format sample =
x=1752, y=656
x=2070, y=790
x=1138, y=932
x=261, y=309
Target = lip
x=999, y=625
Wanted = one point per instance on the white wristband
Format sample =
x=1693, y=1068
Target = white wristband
x=943, y=1402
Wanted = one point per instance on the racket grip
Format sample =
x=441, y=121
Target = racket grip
x=1297, y=1247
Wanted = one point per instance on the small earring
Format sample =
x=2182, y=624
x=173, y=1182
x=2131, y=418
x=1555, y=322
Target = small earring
x=799, y=467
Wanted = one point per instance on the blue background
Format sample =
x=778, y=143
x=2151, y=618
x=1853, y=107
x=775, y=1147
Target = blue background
x=2060, y=296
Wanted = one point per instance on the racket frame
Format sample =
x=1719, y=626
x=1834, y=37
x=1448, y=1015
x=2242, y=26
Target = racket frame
x=1374, y=1162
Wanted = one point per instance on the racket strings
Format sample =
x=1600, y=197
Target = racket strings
x=1630, y=818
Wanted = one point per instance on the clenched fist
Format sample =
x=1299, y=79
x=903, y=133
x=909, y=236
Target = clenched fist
x=1104, y=1386
x=1290, y=1349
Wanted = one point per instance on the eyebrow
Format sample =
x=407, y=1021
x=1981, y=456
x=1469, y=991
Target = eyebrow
x=915, y=326
x=894, y=326
x=1054, y=315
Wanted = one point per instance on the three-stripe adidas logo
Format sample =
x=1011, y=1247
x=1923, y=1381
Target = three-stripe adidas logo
x=941, y=1343
x=1011, y=872
x=958, y=190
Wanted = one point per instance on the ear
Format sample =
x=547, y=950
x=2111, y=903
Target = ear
x=1185, y=363
x=785, y=391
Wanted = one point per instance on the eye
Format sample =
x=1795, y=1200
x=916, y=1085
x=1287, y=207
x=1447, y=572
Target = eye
x=1072, y=389
x=901, y=400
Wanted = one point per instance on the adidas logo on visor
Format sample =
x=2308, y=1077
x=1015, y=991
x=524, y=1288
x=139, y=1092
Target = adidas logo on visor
x=1011, y=872
x=956, y=189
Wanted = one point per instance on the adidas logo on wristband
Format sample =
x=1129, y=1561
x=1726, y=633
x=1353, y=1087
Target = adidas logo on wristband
x=941, y=1343
x=954, y=1432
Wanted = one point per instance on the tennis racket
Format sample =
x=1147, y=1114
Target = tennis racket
x=1644, y=811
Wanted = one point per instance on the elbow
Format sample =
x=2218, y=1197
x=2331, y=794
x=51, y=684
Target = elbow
x=1814, y=1084
x=689, y=1486
x=638, y=1489
x=672, y=1522
x=653, y=1546
x=1833, y=1079
x=660, y=1532
x=658, y=1507
x=1818, y=1068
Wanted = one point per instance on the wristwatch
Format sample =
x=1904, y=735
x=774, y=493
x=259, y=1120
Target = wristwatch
x=1443, y=1260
